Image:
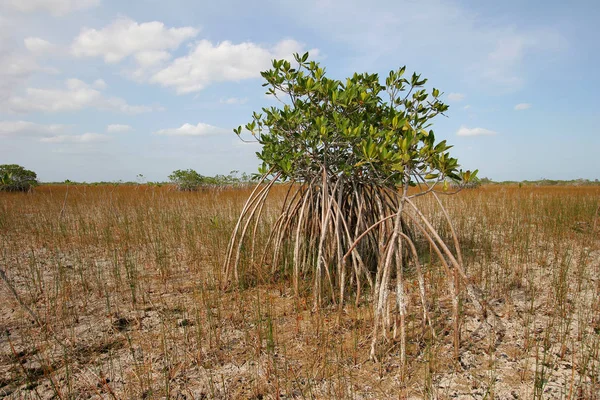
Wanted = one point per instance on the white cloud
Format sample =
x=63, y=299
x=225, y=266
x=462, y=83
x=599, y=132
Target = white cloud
x=99, y=84
x=113, y=128
x=464, y=131
x=38, y=45
x=16, y=66
x=505, y=65
x=207, y=63
x=147, y=59
x=494, y=54
x=26, y=128
x=234, y=100
x=522, y=106
x=468, y=106
x=54, y=7
x=456, y=96
x=15, y=69
x=120, y=105
x=75, y=96
x=192, y=130
x=84, y=138
x=148, y=42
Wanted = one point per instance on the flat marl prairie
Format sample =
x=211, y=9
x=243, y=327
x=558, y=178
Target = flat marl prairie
x=115, y=292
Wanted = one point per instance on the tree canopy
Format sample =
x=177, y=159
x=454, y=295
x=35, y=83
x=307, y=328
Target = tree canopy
x=15, y=178
x=360, y=129
x=187, y=179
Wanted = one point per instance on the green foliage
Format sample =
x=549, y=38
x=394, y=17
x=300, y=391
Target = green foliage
x=14, y=178
x=351, y=150
x=188, y=179
x=348, y=130
x=232, y=179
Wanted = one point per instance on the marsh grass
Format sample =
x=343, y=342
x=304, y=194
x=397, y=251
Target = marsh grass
x=125, y=286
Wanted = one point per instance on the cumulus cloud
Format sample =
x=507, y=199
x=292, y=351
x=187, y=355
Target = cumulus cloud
x=456, y=96
x=146, y=59
x=208, y=63
x=192, y=130
x=234, y=100
x=15, y=66
x=15, y=69
x=147, y=42
x=84, y=138
x=99, y=84
x=464, y=131
x=149, y=46
x=54, y=7
x=522, y=106
x=75, y=96
x=38, y=45
x=26, y=128
x=113, y=128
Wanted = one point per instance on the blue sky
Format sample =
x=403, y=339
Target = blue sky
x=105, y=90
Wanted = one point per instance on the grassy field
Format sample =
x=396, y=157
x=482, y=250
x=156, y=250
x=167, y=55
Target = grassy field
x=114, y=292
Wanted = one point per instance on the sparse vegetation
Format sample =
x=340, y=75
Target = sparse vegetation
x=344, y=277
x=190, y=180
x=187, y=180
x=126, y=286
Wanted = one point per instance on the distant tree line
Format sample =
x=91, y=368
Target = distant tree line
x=15, y=178
x=190, y=180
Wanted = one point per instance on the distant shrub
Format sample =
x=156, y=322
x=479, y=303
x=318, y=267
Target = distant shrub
x=475, y=183
x=472, y=184
x=188, y=179
x=14, y=178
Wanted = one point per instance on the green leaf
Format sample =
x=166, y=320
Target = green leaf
x=350, y=125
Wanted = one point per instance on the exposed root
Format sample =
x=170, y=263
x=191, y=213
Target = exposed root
x=335, y=236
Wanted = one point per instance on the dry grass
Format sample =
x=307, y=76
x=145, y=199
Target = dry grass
x=123, y=287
